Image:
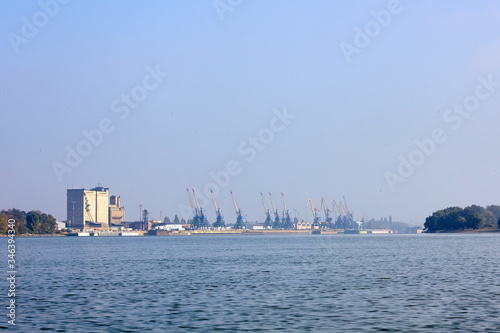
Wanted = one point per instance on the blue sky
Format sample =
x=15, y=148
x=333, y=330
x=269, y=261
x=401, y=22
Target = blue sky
x=353, y=117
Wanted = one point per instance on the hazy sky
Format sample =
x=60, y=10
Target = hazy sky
x=308, y=98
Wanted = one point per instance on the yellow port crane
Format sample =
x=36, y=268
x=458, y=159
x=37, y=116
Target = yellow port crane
x=314, y=210
x=287, y=219
x=345, y=206
x=277, y=219
x=200, y=221
x=328, y=219
x=344, y=219
x=195, y=213
x=267, y=212
x=219, y=223
x=240, y=224
x=336, y=212
x=196, y=201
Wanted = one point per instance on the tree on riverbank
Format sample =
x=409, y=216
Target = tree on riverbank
x=495, y=210
x=456, y=218
x=33, y=222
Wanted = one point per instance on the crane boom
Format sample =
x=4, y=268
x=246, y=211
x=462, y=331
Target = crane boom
x=215, y=203
x=310, y=202
x=338, y=207
x=284, y=203
x=324, y=205
x=327, y=211
x=335, y=209
x=234, y=203
x=190, y=201
x=272, y=202
x=196, y=200
x=345, y=206
x=264, y=203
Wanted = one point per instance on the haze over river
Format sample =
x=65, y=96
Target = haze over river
x=295, y=283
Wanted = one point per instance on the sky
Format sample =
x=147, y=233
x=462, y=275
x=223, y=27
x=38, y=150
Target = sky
x=392, y=104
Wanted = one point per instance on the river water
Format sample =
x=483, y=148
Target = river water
x=293, y=283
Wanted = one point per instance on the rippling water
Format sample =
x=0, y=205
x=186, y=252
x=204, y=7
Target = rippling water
x=314, y=283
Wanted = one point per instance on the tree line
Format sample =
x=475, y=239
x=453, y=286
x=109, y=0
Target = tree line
x=32, y=222
x=457, y=218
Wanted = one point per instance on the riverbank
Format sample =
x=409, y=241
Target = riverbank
x=470, y=231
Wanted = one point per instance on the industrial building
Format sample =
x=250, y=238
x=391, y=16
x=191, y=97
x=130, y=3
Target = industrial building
x=92, y=209
x=116, y=211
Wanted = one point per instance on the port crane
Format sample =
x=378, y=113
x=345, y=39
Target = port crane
x=268, y=222
x=345, y=207
x=202, y=221
x=328, y=219
x=196, y=217
x=277, y=219
x=314, y=210
x=240, y=224
x=336, y=212
x=340, y=221
x=344, y=219
x=287, y=220
x=219, y=223
x=195, y=222
x=349, y=218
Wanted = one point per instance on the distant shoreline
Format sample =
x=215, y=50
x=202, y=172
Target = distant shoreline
x=273, y=232
x=469, y=231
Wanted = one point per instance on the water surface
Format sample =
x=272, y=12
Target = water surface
x=295, y=283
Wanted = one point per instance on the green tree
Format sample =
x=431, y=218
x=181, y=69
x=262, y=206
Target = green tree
x=4, y=226
x=453, y=221
x=166, y=219
x=16, y=214
x=33, y=222
x=176, y=220
x=495, y=210
x=474, y=220
x=20, y=217
x=446, y=219
x=48, y=224
x=490, y=219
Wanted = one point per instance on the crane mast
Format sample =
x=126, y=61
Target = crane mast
x=240, y=224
